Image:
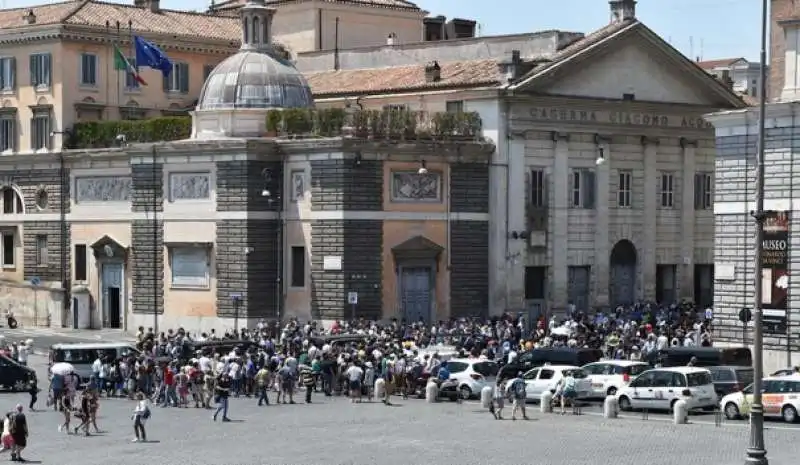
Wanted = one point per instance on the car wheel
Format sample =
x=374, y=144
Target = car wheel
x=625, y=404
x=20, y=386
x=612, y=391
x=789, y=414
x=465, y=392
x=732, y=411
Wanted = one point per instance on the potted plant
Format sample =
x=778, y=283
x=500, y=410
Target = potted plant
x=274, y=122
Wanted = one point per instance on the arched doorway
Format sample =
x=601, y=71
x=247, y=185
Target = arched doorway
x=622, y=286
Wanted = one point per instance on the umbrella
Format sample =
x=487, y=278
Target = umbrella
x=62, y=368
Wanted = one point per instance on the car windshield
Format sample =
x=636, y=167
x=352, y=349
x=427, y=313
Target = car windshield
x=702, y=378
x=456, y=367
x=745, y=375
x=486, y=368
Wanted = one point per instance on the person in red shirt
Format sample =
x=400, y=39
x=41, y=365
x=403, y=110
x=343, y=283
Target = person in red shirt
x=170, y=394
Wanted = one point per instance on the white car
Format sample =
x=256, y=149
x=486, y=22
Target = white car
x=545, y=378
x=609, y=376
x=472, y=375
x=780, y=397
x=660, y=388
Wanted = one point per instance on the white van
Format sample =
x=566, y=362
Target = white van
x=83, y=355
x=658, y=389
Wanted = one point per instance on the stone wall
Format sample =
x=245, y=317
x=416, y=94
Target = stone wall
x=469, y=268
x=247, y=253
x=32, y=306
x=240, y=185
x=346, y=185
x=147, y=187
x=147, y=266
x=359, y=244
x=469, y=188
x=50, y=269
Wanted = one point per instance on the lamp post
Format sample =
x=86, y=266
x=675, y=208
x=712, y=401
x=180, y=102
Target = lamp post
x=272, y=194
x=756, y=450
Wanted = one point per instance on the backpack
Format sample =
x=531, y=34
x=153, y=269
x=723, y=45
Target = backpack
x=146, y=413
x=519, y=388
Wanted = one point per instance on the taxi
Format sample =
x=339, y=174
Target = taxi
x=780, y=396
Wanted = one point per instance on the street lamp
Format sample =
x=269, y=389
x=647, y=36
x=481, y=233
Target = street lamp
x=272, y=195
x=756, y=450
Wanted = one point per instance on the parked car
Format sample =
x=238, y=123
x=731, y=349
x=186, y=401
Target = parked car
x=728, y=379
x=786, y=372
x=546, y=378
x=15, y=377
x=472, y=375
x=607, y=377
x=660, y=388
x=780, y=397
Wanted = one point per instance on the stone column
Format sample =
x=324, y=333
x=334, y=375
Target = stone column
x=601, y=240
x=686, y=266
x=498, y=231
x=647, y=250
x=560, y=244
x=517, y=221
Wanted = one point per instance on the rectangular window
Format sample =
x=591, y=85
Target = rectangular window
x=41, y=250
x=538, y=189
x=8, y=132
x=9, y=253
x=667, y=190
x=8, y=73
x=12, y=203
x=298, y=267
x=455, y=106
x=40, y=131
x=703, y=191
x=88, y=69
x=582, y=189
x=41, y=66
x=624, y=189
x=189, y=266
x=130, y=80
x=80, y=262
x=178, y=79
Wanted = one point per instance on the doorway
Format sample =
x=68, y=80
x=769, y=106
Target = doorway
x=622, y=286
x=111, y=294
x=415, y=293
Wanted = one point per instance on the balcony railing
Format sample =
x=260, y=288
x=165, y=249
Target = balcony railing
x=377, y=125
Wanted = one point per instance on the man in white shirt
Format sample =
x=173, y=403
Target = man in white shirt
x=354, y=374
x=22, y=355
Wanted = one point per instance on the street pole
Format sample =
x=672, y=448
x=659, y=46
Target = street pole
x=756, y=450
x=236, y=315
x=155, y=243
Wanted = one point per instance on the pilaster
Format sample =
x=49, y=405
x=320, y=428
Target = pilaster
x=601, y=239
x=648, y=251
x=687, y=219
x=560, y=214
x=517, y=221
x=498, y=228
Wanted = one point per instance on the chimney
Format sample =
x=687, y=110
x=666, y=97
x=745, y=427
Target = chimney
x=390, y=39
x=511, y=67
x=29, y=17
x=154, y=5
x=725, y=78
x=622, y=10
x=433, y=72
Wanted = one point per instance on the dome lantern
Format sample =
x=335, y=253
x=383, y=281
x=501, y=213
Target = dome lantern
x=256, y=20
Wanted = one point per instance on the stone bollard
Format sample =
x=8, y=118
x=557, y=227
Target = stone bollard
x=486, y=396
x=431, y=393
x=546, y=402
x=380, y=388
x=610, y=407
x=680, y=412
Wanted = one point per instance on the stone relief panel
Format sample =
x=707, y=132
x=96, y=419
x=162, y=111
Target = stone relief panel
x=412, y=186
x=103, y=189
x=189, y=186
x=298, y=185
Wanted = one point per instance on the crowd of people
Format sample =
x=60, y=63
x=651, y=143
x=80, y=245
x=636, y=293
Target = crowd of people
x=270, y=364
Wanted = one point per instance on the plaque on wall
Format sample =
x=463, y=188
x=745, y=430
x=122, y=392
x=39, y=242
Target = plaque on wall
x=102, y=189
x=189, y=186
x=332, y=263
x=412, y=186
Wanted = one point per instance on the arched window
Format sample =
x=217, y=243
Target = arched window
x=246, y=31
x=256, y=31
x=12, y=201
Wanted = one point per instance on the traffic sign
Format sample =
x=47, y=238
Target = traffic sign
x=352, y=298
x=36, y=281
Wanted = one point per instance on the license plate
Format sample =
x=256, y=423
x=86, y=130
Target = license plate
x=705, y=399
x=595, y=385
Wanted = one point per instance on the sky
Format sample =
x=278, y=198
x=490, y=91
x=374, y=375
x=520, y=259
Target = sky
x=710, y=29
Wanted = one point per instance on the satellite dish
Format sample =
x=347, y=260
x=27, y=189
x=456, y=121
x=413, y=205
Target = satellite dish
x=108, y=250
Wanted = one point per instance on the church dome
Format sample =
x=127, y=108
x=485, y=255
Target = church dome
x=255, y=79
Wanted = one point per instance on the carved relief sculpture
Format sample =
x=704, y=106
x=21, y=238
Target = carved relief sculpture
x=103, y=189
x=298, y=185
x=411, y=186
x=189, y=186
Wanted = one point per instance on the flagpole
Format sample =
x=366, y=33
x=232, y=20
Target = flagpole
x=119, y=85
x=133, y=47
x=107, y=77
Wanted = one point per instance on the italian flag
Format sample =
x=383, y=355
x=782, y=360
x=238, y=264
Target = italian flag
x=122, y=64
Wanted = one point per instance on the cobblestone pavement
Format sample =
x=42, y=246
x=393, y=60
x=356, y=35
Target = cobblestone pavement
x=334, y=431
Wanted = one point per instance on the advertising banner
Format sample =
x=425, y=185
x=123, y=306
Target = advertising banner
x=775, y=272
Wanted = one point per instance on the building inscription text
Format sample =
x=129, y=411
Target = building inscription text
x=621, y=118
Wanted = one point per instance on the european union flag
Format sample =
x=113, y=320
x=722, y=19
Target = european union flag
x=149, y=55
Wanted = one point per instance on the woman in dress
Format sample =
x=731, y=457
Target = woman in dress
x=140, y=416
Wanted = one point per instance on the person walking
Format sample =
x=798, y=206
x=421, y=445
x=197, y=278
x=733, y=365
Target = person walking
x=222, y=392
x=308, y=380
x=569, y=392
x=354, y=375
x=262, y=381
x=84, y=412
x=33, y=390
x=19, y=434
x=141, y=413
x=516, y=389
x=498, y=401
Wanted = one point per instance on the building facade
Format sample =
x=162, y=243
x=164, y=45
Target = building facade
x=743, y=75
x=736, y=137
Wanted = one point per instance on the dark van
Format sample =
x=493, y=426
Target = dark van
x=558, y=356
x=706, y=356
x=15, y=377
